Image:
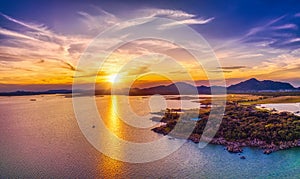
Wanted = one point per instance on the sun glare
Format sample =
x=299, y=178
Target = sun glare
x=112, y=78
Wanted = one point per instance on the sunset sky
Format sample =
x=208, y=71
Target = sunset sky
x=41, y=42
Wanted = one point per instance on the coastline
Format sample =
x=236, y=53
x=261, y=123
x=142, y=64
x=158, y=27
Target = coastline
x=269, y=134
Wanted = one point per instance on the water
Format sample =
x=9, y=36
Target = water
x=290, y=107
x=42, y=139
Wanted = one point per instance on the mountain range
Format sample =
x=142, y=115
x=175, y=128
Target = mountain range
x=249, y=86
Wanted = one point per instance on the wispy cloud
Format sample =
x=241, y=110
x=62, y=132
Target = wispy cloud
x=99, y=22
x=258, y=29
x=14, y=34
x=294, y=40
x=173, y=14
x=286, y=26
x=51, y=57
x=297, y=14
x=200, y=21
x=232, y=67
x=138, y=70
x=40, y=27
x=42, y=52
x=220, y=71
x=180, y=16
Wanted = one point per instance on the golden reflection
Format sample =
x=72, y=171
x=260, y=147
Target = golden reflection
x=112, y=121
x=114, y=110
x=108, y=111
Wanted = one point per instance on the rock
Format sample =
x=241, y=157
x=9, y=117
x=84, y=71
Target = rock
x=267, y=151
x=161, y=130
x=242, y=157
x=195, y=138
x=234, y=148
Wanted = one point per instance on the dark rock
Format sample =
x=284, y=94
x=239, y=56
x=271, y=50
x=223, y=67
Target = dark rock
x=267, y=151
x=242, y=157
x=234, y=148
x=195, y=138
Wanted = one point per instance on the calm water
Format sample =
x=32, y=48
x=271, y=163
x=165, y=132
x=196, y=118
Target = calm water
x=290, y=107
x=42, y=139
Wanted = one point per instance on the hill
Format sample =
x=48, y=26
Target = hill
x=254, y=85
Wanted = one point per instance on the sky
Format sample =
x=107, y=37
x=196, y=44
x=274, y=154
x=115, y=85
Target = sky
x=42, y=41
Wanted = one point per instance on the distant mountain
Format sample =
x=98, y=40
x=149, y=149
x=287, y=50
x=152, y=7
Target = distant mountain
x=254, y=85
x=208, y=90
x=175, y=89
x=172, y=89
x=249, y=86
x=24, y=93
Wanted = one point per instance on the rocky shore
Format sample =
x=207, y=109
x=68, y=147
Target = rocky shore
x=242, y=126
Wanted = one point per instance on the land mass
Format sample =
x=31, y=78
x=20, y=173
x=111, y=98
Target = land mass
x=27, y=93
x=251, y=86
x=242, y=126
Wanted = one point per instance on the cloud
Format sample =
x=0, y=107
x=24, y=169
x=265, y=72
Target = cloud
x=46, y=56
x=276, y=33
x=36, y=27
x=50, y=57
x=190, y=22
x=297, y=14
x=36, y=31
x=178, y=72
x=294, y=40
x=15, y=68
x=76, y=48
x=138, y=70
x=220, y=71
x=97, y=23
x=181, y=17
x=290, y=73
x=173, y=14
x=258, y=29
x=232, y=67
x=103, y=20
x=286, y=26
x=14, y=34
x=68, y=65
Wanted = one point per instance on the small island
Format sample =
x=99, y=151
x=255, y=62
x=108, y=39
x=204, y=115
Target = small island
x=243, y=125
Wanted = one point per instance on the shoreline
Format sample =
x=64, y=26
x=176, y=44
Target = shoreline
x=280, y=130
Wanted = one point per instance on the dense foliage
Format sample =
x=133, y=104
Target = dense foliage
x=241, y=124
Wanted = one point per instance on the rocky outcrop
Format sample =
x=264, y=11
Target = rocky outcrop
x=234, y=148
x=242, y=126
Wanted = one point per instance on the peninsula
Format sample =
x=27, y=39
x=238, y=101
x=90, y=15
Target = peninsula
x=242, y=126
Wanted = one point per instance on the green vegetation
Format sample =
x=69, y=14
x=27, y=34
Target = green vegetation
x=277, y=99
x=242, y=125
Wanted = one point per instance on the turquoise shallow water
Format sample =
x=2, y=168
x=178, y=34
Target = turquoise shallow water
x=42, y=139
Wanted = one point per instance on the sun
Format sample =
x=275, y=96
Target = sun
x=112, y=78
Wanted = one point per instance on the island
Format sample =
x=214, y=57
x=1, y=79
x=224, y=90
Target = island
x=244, y=124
